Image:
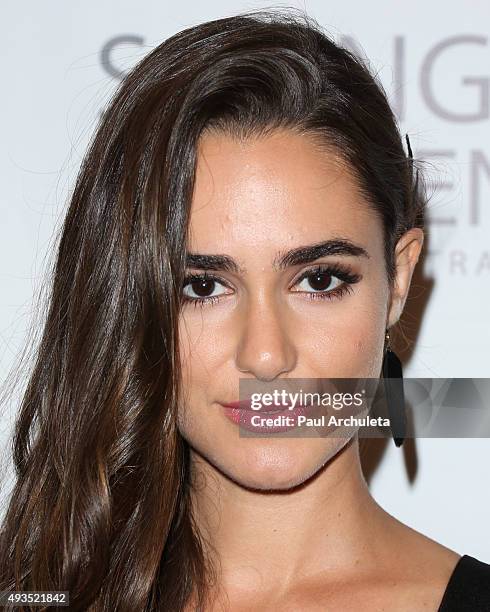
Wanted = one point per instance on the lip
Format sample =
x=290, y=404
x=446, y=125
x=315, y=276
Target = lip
x=241, y=413
x=247, y=405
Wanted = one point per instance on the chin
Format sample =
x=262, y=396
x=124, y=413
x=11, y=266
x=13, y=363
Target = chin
x=268, y=464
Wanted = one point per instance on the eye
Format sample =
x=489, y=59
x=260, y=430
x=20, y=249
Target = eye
x=327, y=281
x=319, y=281
x=202, y=287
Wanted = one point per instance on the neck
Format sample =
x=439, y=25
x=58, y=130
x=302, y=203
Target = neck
x=327, y=524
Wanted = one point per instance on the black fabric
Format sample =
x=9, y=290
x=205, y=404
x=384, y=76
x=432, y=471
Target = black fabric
x=468, y=589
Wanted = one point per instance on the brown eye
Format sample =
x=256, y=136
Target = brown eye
x=319, y=281
x=201, y=287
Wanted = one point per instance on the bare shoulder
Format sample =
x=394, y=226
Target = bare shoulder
x=422, y=553
x=404, y=571
x=426, y=565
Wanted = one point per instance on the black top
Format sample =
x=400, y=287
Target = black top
x=468, y=589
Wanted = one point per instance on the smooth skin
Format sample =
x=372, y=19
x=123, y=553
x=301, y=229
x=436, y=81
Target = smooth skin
x=291, y=519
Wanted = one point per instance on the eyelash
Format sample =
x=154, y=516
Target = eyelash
x=336, y=270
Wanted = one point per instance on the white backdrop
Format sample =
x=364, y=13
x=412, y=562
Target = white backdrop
x=60, y=63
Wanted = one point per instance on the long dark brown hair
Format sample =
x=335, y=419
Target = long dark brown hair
x=101, y=506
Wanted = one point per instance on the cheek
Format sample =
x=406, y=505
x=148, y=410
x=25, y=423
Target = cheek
x=362, y=344
x=365, y=335
x=345, y=340
x=202, y=343
x=365, y=353
x=204, y=346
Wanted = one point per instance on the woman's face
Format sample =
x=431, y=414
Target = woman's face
x=253, y=202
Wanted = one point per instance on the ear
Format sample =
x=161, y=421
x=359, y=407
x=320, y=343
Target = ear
x=407, y=252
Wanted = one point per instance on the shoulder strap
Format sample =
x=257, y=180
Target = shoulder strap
x=468, y=589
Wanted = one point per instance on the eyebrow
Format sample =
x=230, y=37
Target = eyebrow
x=282, y=260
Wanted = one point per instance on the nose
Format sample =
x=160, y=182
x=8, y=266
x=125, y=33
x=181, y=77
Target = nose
x=265, y=349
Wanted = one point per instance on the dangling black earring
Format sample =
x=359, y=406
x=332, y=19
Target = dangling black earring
x=395, y=396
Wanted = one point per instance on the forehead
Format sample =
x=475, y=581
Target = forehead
x=281, y=188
